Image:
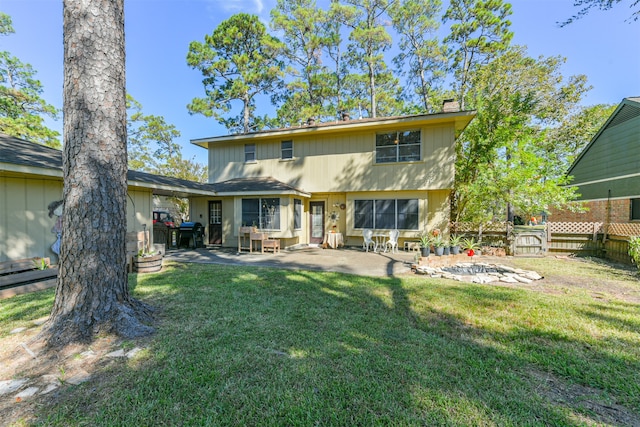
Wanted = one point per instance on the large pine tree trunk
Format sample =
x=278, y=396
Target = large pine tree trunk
x=92, y=294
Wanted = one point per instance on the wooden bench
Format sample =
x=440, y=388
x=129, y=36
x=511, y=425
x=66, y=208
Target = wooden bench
x=257, y=237
x=271, y=244
x=24, y=275
x=411, y=245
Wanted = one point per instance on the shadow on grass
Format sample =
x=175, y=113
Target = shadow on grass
x=243, y=346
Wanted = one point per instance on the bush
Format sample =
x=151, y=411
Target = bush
x=634, y=249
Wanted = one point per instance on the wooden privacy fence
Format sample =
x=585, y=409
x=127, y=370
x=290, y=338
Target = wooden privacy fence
x=608, y=241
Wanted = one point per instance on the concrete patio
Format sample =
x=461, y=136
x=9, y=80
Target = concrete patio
x=345, y=260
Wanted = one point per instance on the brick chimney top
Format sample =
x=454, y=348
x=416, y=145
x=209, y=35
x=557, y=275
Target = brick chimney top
x=450, y=106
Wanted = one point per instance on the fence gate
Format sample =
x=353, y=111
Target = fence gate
x=529, y=241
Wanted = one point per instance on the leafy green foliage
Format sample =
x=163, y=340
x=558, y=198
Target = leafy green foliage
x=479, y=33
x=310, y=85
x=634, y=250
x=422, y=59
x=587, y=5
x=22, y=110
x=506, y=156
x=238, y=61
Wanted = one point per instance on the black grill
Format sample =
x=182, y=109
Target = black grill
x=191, y=235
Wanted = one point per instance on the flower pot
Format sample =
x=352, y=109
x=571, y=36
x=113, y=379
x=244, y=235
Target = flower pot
x=147, y=264
x=424, y=251
x=439, y=250
x=455, y=250
x=446, y=250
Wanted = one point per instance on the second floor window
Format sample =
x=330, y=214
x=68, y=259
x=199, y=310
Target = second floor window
x=286, y=149
x=401, y=146
x=249, y=153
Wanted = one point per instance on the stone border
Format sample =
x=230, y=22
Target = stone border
x=493, y=273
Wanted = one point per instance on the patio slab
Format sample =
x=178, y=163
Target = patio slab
x=344, y=260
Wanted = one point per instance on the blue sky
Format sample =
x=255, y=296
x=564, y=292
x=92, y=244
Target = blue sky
x=604, y=46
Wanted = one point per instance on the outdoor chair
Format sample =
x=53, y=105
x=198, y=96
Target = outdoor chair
x=393, y=241
x=368, y=240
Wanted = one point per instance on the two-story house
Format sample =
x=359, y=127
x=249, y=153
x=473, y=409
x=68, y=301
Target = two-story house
x=299, y=183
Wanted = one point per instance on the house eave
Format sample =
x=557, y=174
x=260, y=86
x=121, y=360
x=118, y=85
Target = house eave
x=460, y=119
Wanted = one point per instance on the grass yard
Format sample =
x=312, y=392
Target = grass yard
x=267, y=347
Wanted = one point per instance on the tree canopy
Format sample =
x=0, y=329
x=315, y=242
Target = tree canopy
x=22, y=108
x=587, y=5
x=239, y=61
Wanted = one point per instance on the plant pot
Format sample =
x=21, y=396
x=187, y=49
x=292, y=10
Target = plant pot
x=425, y=251
x=147, y=264
x=446, y=250
x=439, y=250
x=455, y=250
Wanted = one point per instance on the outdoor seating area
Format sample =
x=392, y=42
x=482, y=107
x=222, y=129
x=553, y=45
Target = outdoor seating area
x=378, y=239
x=250, y=239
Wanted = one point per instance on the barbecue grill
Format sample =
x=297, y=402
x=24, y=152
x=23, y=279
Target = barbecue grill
x=191, y=235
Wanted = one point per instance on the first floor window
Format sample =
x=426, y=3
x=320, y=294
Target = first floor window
x=388, y=214
x=297, y=214
x=635, y=209
x=263, y=213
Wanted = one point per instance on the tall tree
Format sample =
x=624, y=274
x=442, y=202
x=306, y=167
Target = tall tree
x=92, y=294
x=369, y=40
x=150, y=139
x=301, y=23
x=422, y=59
x=576, y=129
x=239, y=62
x=479, y=33
x=506, y=156
x=587, y=5
x=22, y=109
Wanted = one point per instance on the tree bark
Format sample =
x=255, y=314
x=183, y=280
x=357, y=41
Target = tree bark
x=92, y=293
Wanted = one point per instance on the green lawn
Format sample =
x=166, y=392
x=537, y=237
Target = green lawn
x=268, y=347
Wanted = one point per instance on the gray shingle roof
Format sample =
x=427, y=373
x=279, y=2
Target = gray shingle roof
x=17, y=151
x=257, y=185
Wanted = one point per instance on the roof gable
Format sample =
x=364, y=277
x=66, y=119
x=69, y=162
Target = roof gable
x=628, y=109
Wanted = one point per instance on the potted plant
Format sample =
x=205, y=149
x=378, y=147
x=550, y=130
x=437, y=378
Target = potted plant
x=447, y=246
x=425, y=244
x=454, y=243
x=147, y=261
x=438, y=245
x=471, y=246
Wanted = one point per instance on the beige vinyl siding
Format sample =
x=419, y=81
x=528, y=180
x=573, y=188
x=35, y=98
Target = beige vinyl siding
x=25, y=226
x=139, y=210
x=341, y=162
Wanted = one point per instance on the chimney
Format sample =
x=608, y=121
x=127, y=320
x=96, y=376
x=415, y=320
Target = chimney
x=450, y=106
x=345, y=116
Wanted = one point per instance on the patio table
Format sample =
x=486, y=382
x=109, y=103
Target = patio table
x=334, y=239
x=380, y=238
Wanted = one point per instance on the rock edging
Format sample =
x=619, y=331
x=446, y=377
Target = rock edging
x=486, y=273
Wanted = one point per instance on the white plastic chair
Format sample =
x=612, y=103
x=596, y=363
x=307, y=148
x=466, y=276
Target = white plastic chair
x=393, y=241
x=368, y=240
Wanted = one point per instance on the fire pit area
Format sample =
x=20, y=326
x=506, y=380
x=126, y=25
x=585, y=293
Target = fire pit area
x=479, y=272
